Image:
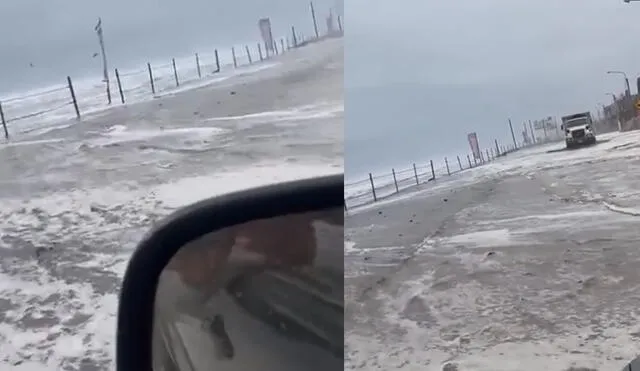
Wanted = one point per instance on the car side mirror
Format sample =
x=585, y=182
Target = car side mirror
x=633, y=365
x=252, y=280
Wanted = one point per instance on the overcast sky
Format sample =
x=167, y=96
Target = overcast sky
x=420, y=74
x=58, y=37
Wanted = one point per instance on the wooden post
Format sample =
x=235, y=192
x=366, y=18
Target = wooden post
x=315, y=24
x=4, y=123
x=275, y=47
x=415, y=172
x=395, y=181
x=119, y=86
x=340, y=24
x=217, y=61
x=267, y=55
x=469, y=158
x=446, y=162
x=488, y=157
x=246, y=47
x=282, y=45
x=73, y=97
x=373, y=188
x=233, y=54
x=153, y=85
x=459, y=162
x=260, y=52
x=294, y=38
x=288, y=44
x=198, y=66
x=433, y=172
x=175, y=71
x=475, y=160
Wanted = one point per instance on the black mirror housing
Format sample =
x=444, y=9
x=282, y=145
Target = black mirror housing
x=136, y=306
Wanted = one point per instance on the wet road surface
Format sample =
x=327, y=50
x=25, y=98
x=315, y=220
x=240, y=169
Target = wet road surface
x=528, y=264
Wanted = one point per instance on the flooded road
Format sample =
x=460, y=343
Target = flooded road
x=76, y=197
x=528, y=263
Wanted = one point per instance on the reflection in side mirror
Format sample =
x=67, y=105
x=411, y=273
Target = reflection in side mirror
x=255, y=296
x=260, y=293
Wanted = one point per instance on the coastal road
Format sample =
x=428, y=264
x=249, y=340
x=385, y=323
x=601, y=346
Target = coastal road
x=77, y=197
x=528, y=263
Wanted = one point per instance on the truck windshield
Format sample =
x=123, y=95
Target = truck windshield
x=576, y=122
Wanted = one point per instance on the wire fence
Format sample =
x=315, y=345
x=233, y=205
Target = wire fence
x=381, y=186
x=153, y=80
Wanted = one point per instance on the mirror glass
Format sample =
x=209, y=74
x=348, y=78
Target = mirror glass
x=264, y=295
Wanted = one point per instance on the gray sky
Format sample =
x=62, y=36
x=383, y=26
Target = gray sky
x=420, y=74
x=58, y=37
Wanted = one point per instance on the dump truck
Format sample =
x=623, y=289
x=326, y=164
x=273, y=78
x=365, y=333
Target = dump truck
x=578, y=129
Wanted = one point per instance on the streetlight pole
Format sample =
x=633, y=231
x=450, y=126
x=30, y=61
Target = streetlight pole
x=626, y=80
x=617, y=107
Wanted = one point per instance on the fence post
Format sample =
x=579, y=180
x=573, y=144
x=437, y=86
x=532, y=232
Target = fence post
x=175, y=71
x=315, y=23
x=475, y=160
x=469, y=158
x=260, y=52
x=233, y=54
x=217, y=60
x=275, y=47
x=395, y=181
x=488, y=157
x=198, y=66
x=282, y=45
x=373, y=188
x=492, y=154
x=288, y=44
x=433, y=172
x=294, y=39
x=73, y=97
x=446, y=162
x=119, y=86
x=415, y=172
x=340, y=24
x=459, y=163
x=246, y=47
x=153, y=86
x=4, y=123
x=267, y=55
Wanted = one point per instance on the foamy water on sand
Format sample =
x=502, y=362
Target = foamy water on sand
x=75, y=199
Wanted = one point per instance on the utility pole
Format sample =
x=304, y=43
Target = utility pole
x=105, y=72
x=515, y=143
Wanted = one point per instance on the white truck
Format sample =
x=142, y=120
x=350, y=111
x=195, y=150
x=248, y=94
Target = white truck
x=578, y=129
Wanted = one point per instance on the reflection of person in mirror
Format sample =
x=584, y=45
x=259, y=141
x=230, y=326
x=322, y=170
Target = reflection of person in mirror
x=201, y=268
